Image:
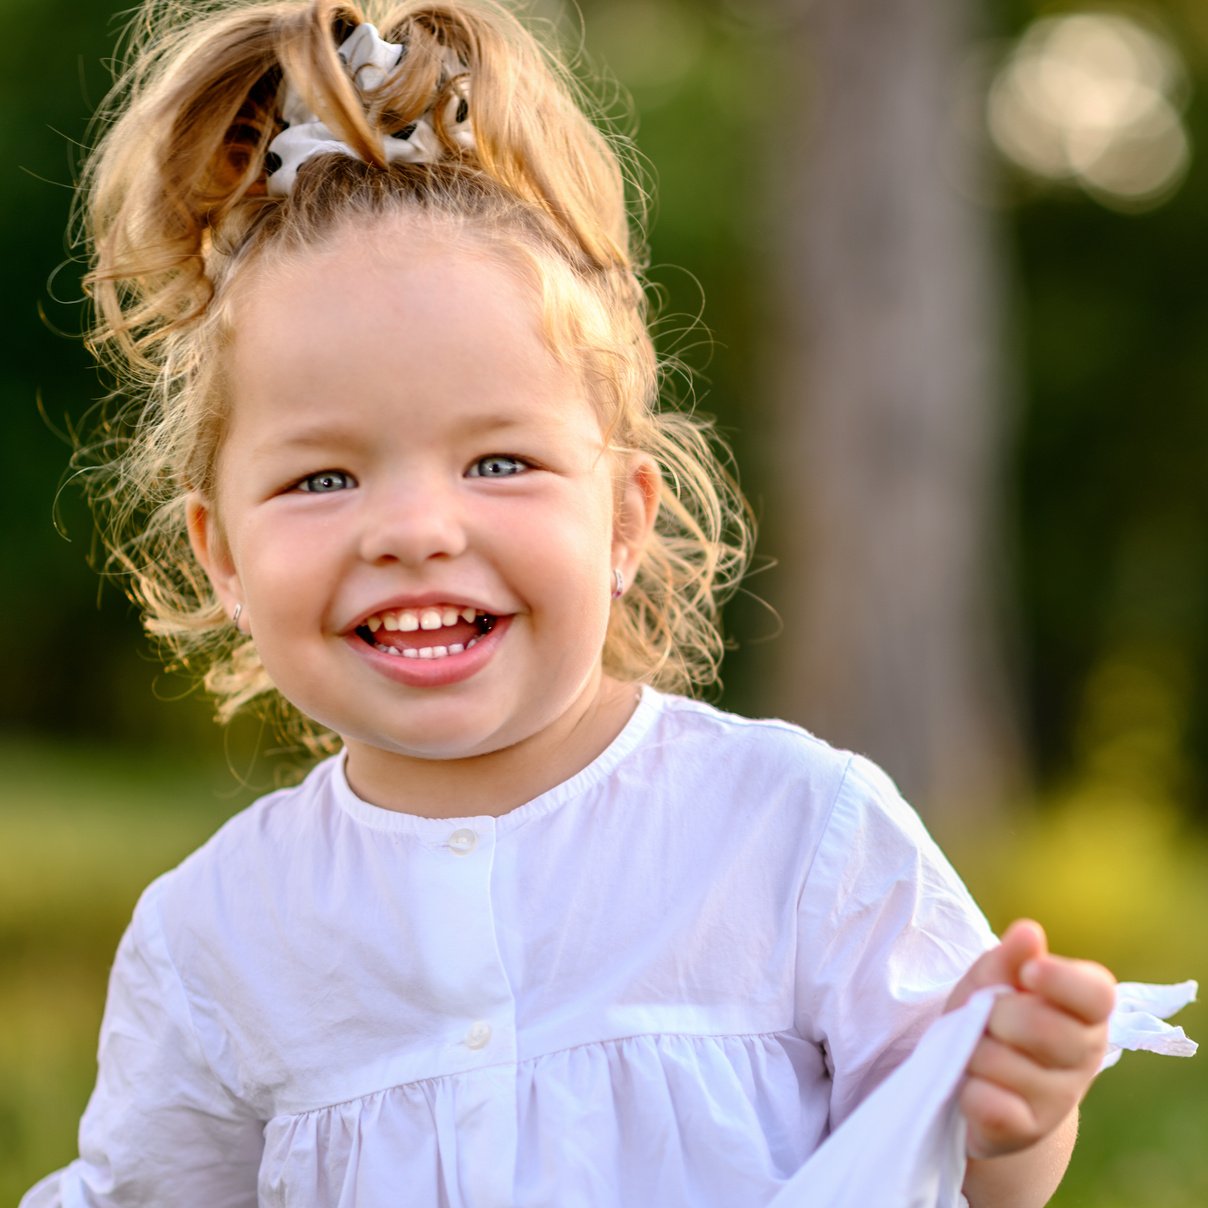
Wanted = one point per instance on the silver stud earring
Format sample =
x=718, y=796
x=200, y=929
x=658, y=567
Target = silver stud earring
x=618, y=583
x=236, y=615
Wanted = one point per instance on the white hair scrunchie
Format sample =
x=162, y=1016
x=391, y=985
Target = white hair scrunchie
x=370, y=60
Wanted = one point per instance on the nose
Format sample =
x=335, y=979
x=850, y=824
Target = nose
x=412, y=522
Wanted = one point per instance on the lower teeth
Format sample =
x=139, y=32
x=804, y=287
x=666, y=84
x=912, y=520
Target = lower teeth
x=426, y=652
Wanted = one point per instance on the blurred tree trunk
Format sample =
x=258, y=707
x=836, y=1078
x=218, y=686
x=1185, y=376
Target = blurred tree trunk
x=889, y=402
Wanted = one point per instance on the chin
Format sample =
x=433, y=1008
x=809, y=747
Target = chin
x=438, y=743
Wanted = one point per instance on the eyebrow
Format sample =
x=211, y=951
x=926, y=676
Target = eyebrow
x=325, y=435
x=312, y=437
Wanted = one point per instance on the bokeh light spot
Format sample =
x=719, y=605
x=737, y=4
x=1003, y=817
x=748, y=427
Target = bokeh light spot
x=1095, y=100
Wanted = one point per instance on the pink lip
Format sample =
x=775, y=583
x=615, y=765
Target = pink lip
x=433, y=673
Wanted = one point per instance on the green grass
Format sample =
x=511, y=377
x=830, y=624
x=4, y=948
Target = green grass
x=1143, y=1137
x=82, y=831
x=1115, y=878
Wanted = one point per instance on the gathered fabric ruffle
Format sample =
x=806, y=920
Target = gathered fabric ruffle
x=616, y=1122
x=639, y=1115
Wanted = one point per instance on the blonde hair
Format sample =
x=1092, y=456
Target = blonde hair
x=175, y=208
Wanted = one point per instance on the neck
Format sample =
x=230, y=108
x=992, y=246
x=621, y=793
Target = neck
x=496, y=782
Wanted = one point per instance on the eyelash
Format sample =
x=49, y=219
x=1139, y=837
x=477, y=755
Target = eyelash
x=519, y=462
x=310, y=484
x=306, y=484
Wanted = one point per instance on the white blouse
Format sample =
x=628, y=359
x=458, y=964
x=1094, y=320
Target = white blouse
x=663, y=982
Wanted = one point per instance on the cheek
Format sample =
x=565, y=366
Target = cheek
x=283, y=575
x=579, y=544
x=563, y=571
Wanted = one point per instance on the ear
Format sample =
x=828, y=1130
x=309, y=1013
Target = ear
x=637, y=507
x=211, y=550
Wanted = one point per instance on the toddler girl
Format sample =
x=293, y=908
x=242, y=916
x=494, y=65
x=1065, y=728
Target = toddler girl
x=535, y=932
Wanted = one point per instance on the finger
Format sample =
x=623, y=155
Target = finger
x=1047, y=1035
x=1081, y=988
x=1022, y=942
x=998, y=1121
x=1051, y=1094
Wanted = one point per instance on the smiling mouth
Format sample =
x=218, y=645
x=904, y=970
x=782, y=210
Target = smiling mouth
x=435, y=632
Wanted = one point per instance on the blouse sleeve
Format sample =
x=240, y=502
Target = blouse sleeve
x=886, y=929
x=159, y=1128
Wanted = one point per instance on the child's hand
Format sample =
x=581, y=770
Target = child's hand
x=1043, y=1043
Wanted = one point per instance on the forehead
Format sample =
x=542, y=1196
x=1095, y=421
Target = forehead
x=389, y=309
x=402, y=287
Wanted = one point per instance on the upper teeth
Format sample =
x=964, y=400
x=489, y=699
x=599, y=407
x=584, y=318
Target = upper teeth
x=410, y=619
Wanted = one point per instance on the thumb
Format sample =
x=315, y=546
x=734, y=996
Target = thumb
x=1021, y=942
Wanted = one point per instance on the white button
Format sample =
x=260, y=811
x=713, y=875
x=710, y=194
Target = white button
x=462, y=842
x=479, y=1036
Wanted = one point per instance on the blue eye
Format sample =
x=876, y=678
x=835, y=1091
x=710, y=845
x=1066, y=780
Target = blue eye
x=326, y=482
x=497, y=465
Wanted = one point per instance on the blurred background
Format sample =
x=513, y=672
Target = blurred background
x=951, y=254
